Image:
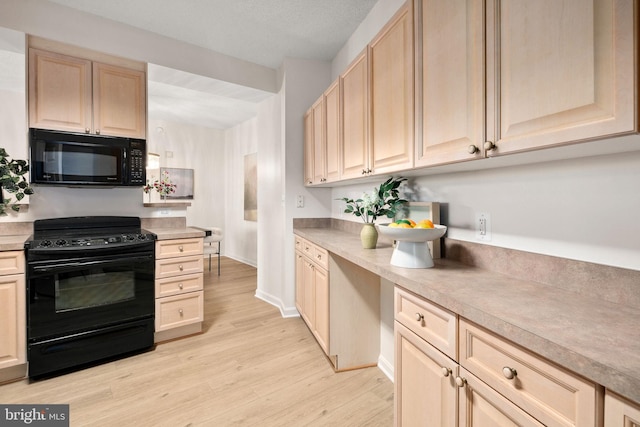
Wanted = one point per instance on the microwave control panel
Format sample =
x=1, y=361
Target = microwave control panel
x=137, y=163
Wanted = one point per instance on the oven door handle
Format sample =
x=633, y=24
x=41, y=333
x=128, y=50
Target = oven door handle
x=66, y=266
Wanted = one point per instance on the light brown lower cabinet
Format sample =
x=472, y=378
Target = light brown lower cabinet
x=620, y=412
x=312, y=289
x=339, y=301
x=179, y=288
x=489, y=381
x=13, y=346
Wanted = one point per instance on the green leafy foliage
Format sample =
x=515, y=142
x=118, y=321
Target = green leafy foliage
x=383, y=201
x=13, y=182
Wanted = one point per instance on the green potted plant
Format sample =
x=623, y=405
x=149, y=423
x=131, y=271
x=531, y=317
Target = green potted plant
x=382, y=201
x=12, y=182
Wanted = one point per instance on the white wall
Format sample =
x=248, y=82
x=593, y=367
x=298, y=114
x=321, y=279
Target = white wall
x=199, y=148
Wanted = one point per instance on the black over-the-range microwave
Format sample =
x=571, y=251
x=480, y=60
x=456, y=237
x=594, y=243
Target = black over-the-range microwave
x=63, y=158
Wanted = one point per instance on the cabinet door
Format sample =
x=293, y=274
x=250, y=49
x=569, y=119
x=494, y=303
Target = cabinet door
x=452, y=74
x=321, y=326
x=333, y=128
x=481, y=406
x=391, y=56
x=59, y=92
x=299, y=282
x=559, y=72
x=309, y=293
x=425, y=392
x=619, y=412
x=319, y=145
x=119, y=101
x=355, y=119
x=12, y=320
x=308, y=147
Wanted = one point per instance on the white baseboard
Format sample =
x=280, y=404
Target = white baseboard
x=386, y=367
x=277, y=302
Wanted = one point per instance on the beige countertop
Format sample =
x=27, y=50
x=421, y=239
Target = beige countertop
x=597, y=339
x=176, y=233
x=13, y=243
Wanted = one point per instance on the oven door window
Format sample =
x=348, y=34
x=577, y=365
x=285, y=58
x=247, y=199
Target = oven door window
x=94, y=287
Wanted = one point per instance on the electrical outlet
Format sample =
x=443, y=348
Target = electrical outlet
x=483, y=226
x=300, y=202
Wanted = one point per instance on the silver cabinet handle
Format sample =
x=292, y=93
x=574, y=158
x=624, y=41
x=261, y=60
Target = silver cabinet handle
x=509, y=373
x=181, y=267
x=472, y=149
x=180, y=248
x=419, y=317
x=87, y=130
x=180, y=286
x=489, y=146
x=461, y=382
x=97, y=131
x=181, y=312
x=446, y=371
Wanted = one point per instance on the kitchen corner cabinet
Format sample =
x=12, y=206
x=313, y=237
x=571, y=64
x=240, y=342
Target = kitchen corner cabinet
x=80, y=95
x=450, y=372
x=315, y=144
x=339, y=301
x=179, y=288
x=13, y=346
x=620, y=412
x=322, y=138
x=555, y=73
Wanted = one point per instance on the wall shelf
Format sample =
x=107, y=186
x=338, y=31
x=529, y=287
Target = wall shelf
x=167, y=205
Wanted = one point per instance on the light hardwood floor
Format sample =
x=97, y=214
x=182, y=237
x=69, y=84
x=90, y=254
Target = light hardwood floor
x=249, y=367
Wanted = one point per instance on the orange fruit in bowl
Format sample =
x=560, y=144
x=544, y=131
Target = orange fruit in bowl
x=425, y=223
x=404, y=225
x=413, y=223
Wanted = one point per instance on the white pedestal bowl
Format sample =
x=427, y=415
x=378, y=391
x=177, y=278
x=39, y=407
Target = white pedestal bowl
x=412, y=249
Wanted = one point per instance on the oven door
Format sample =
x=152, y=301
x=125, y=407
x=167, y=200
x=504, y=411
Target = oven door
x=78, y=294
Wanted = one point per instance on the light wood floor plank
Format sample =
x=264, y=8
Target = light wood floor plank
x=249, y=367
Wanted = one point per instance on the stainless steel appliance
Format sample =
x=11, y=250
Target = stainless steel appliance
x=90, y=289
x=72, y=159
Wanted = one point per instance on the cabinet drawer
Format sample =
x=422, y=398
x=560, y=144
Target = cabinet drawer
x=179, y=285
x=432, y=323
x=178, y=266
x=321, y=257
x=550, y=394
x=11, y=262
x=308, y=248
x=179, y=310
x=179, y=247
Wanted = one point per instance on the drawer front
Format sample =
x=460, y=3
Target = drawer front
x=179, y=285
x=178, y=266
x=179, y=247
x=550, y=394
x=321, y=257
x=309, y=249
x=432, y=323
x=11, y=262
x=179, y=310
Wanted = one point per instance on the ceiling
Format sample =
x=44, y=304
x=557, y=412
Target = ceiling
x=259, y=31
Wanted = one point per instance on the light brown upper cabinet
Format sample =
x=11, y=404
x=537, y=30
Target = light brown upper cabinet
x=555, y=72
x=391, y=68
x=314, y=144
x=80, y=95
x=323, y=134
x=333, y=131
x=355, y=119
